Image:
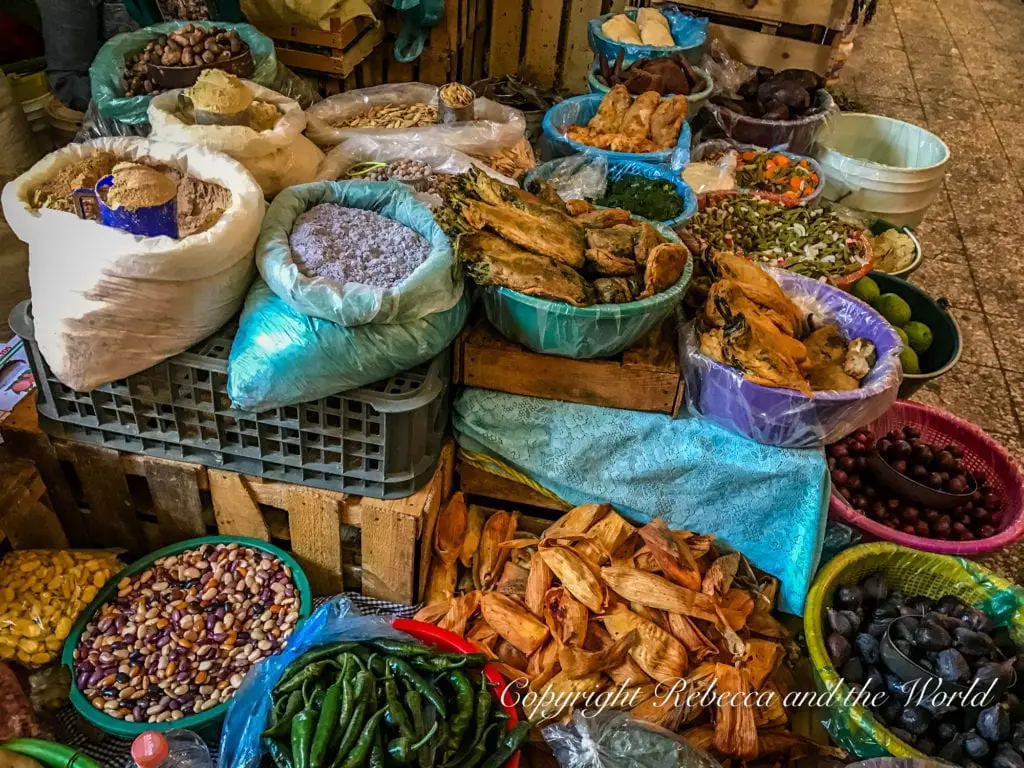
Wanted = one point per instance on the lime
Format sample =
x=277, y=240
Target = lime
x=866, y=289
x=892, y=308
x=919, y=336
x=908, y=358
x=903, y=336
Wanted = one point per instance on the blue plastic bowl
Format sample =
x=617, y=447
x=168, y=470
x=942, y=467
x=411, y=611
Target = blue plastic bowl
x=704, y=149
x=578, y=110
x=694, y=100
x=689, y=33
x=617, y=169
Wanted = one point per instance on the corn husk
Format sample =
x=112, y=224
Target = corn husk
x=475, y=517
x=697, y=645
x=543, y=664
x=673, y=557
x=513, y=580
x=699, y=544
x=513, y=622
x=514, y=677
x=737, y=606
x=433, y=612
x=565, y=687
x=636, y=695
x=491, y=555
x=654, y=591
x=459, y=613
x=731, y=641
x=576, y=575
x=577, y=520
x=698, y=680
x=483, y=636
x=576, y=662
x=735, y=731
x=719, y=576
x=768, y=710
x=656, y=652
x=450, y=533
x=766, y=625
x=566, y=617
x=510, y=655
x=656, y=615
x=609, y=533
x=763, y=657
x=537, y=584
x=645, y=560
x=702, y=737
x=441, y=579
x=655, y=710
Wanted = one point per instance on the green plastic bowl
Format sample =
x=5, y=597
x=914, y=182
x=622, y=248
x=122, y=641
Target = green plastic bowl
x=50, y=754
x=602, y=330
x=205, y=722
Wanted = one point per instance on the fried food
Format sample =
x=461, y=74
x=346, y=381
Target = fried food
x=625, y=124
x=601, y=218
x=608, y=264
x=825, y=346
x=577, y=207
x=611, y=110
x=617, y=239
x=746, y=347
x=613, y=290
x=667, y=121
x=665, y=264
x=636, y=123
x=645, y=241
x=546, y=236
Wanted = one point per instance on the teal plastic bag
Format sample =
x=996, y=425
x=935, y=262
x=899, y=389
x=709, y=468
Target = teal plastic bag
x=689, y=33
x=418, y=16
x=107, y=70
x=432, y=287
x=280, y=357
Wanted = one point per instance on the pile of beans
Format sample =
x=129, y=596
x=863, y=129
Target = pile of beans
x=179, y=637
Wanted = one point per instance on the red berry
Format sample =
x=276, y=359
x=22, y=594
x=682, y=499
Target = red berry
x=921, y=527
x=985, y=531
x=908, y=529
x=839, y=477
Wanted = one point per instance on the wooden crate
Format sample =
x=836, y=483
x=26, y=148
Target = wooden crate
x=27, y=519
x=335, y=52
x=343, y=541
x=646, y=377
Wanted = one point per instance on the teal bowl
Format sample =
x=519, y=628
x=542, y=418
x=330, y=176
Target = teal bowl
x=602, y=330
x=205, y=723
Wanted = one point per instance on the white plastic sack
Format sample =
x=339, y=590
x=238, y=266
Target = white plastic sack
x=277, y=158
x=495, y=127
x=108, y=304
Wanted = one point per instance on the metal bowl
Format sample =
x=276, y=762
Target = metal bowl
x=910, y=489
x=166, y=78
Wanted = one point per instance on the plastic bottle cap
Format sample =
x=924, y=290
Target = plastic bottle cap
x=149, y=749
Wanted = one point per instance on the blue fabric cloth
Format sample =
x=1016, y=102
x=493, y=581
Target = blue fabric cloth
x=769, y=503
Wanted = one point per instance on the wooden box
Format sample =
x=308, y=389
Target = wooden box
x=336, y=52
x=27, y=519
x=646, y=377
x=107, y=498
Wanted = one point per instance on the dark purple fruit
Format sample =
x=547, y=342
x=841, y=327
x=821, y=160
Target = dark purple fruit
x=945, y=461
x=853, y=671
x=956, y=485
x=953, y=751
x=849, y=598
x=945, y=731
x=839, y=649
x=994, y=723
x=1002, y=672
x=934, y=480
x=873, y=680
x=926, y=745
x=839, y=623
x=975, y=746
x=874, y=587
x=900, y=466
x=904, y=629
x=905, y=647
x=911, y=433
x=839, y=477
x=949, y=605
x=971, y=643
x=846, y=464
x=901, y=449
x=932, y=637
x=1006, y=757
x=915, y=720
x=897, y=688
x=918, y=472
x=952, y=666
x=867, y=647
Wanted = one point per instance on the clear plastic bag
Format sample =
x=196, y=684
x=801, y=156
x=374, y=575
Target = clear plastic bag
x=495, y=127
x=688, y=32
x=614, y=739
x=576, y=177
x=336, y=619
x=41, y=594
x=785, y=417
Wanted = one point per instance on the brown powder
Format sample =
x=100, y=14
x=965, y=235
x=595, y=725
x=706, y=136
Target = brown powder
x=56, y=191
x=139, y=186
x=263, y=116
x=200, y=205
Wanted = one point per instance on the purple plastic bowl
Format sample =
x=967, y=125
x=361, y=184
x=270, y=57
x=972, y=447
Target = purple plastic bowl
x=785, y=417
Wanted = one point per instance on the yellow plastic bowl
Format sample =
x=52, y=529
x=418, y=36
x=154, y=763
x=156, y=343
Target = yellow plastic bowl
x=855, y=728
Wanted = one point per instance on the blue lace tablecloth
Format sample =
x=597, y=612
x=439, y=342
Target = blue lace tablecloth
x=769, y=503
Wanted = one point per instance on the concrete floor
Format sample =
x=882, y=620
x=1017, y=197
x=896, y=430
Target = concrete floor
x=956, y=67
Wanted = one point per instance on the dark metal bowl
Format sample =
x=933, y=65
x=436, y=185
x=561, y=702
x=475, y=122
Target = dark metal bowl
x=166, y=78
x=911, y=490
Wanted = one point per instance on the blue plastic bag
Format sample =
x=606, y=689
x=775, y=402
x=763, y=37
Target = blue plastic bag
x=280, y=356
x=336, y=619
x=432, y=286
x=689, y=33
x=578, y=111
x=417, y=16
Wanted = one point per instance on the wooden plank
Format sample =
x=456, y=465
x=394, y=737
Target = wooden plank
x=473, y=480
x=543, y=28
x=111, y=511
x=339, y=67
x=236, y=511
x=389, y=554
x=339, y=38
x=479, y=52
x=759, y=49
x=399, y=71
x=506, y=37
x=176, y=501
x=315, y=526
x=578, y=57
x=833, y=14
x=25, y=519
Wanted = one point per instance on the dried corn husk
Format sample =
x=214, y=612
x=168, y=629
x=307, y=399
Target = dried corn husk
x=543, y=664
x=483, y=636
x=659, y=617
x=459, y=613
x=441, y=580
x=719, y=576
x=674, y=557
x=734, y=644
x=634, y=696
x=450, y=534
x=766, y=625
x=737, y=606
x=513, y=580
x=513, y=622
x=537, y=584
x=491, y=555
x=433, y=612
x=769, y=711
x=697, y=645
x=513, y=676
x=577, y=520
x=475, y=517
x=576, y=575
x=566, y=617
x=658, y=653
x=763, y=657
x=510, y=655
x=645, y=560
x=564, y=689
x=735, y=731
x=577, y=662
x=608, y=534
x=649, y=589
x=656, y=710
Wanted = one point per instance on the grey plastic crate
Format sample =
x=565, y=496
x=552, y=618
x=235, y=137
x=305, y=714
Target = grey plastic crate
x=382, y=440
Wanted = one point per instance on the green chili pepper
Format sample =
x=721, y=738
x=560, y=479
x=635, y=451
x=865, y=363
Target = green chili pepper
x=361, y=699
x=293, y=703
x=351, y=659
x=444, y=662
x=417, y=682
x=326, y=726
x=403, y=749
x=361, y=751
x=476, y=754
x=484, y=704
x=507, y=746
x=464, y=707
x=278, y=753
x=289, y=683
x=302, y=736
x=397, y=712
x=377, y=756
x=414, y=701
x=348, y=704
x=320, y=653
x=399, y=648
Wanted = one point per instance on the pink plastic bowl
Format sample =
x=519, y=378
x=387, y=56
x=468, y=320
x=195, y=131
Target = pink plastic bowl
x=981, y=453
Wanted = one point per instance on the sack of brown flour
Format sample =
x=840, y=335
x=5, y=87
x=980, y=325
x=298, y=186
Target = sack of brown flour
x=108, y=304
x=278, y=157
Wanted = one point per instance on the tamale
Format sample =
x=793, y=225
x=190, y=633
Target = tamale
x=736, y=606
x=665, y=264
x=697, y=544
x=652, y=590
x=482, y=634
x=611, y=110
x=513, y=580
x=490, y=260
x=543, y=664
x=577, y=662
x=697, y=645
x=510, y=655
x=491, y=555
x=441, y=579
x=459, y=613
x=576, y=576
x=607, y=535
x=763, y=656
x=561, y=240
x=563, y=688
x=628, y=672
x=655, y=710
x=667, y=121
x=656, y=615
x=674, y=557
x=606, y=263
x=719, y=576
x=735, y=731
x=657, y=652
x=600, y=218
x=475, y=517
x=577, y=520
x=431, y=613
x=566, y=617
x=450, y=533
x=732, y=642
x=513, y=622
x=538, y=582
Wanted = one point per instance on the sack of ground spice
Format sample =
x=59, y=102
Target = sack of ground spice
x=108, y=304
x=278, y=157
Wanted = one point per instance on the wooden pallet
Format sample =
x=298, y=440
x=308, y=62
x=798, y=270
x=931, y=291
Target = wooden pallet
x=646, y=377
x=107, y=498
x=27, y=519
x=335, y=52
